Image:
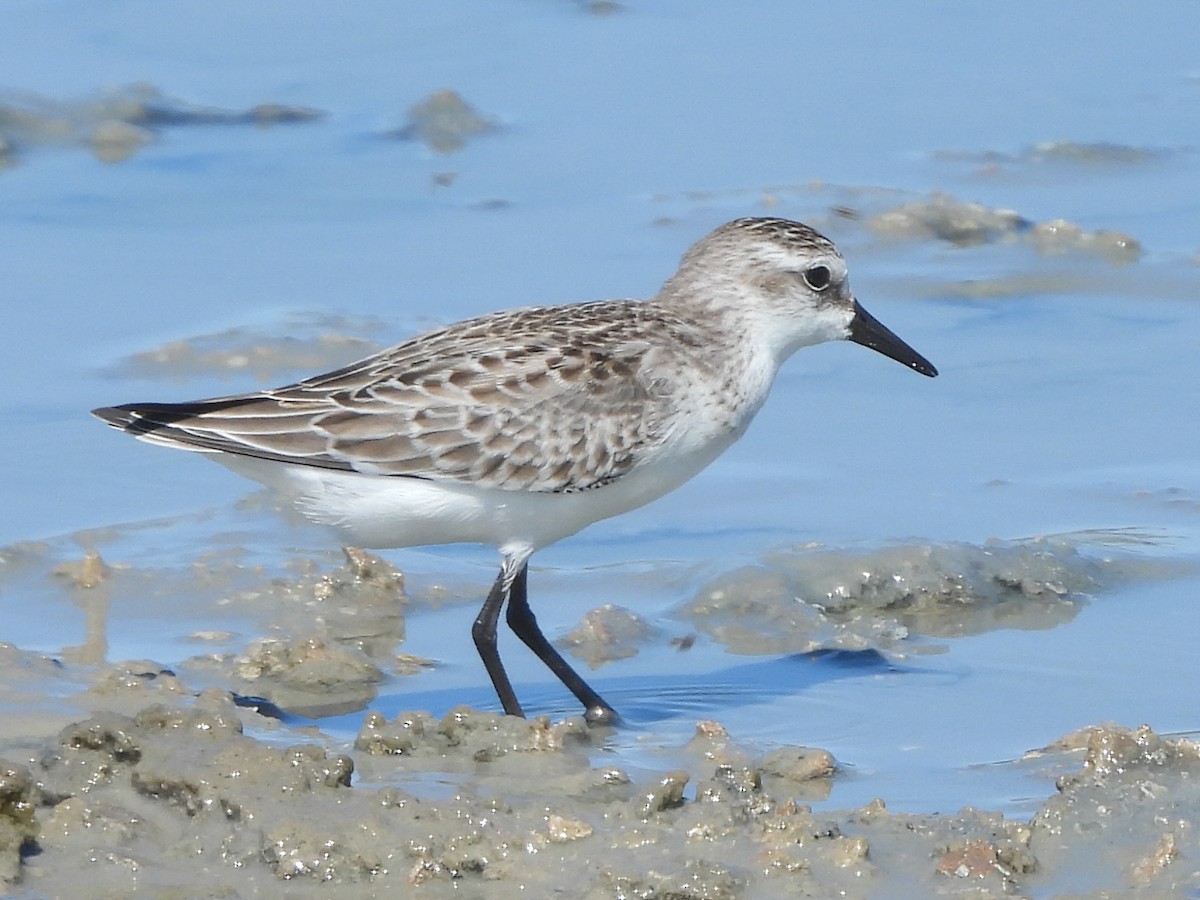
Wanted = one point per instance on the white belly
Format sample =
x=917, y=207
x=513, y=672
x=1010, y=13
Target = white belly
x=396, y=511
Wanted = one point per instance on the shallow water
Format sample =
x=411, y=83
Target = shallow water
x=1067, y=402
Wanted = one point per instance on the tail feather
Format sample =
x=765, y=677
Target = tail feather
x=184, y=426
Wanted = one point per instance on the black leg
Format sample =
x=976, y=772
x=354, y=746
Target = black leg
x=523, y=623
x=484, y=634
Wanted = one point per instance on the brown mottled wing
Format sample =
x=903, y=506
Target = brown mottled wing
x=548, y=399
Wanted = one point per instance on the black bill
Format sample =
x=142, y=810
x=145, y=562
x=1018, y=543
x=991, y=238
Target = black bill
x=865, y=329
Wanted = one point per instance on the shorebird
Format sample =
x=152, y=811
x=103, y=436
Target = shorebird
x=519, y=428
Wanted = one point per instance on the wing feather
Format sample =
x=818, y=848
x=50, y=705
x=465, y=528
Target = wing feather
x=544, y=399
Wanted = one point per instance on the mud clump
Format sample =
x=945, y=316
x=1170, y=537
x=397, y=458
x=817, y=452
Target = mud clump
x=473, y=735
x=180, y=779
x=1131, y=809
x=941, y=217
x=18, y=827
x=944, y=218
x=808, y=601
x=444, y=122
x=605, y=634
x=341, y=630
x=308, y=676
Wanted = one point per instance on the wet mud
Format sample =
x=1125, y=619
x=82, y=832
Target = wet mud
x=196, y=796
x=143, y=784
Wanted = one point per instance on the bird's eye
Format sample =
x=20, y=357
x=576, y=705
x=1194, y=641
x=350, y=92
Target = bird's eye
x=817, y=277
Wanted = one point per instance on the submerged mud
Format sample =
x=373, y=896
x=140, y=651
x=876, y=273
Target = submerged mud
x=118, y=122
x=313, y=343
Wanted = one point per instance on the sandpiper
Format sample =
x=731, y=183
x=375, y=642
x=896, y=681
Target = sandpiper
x=519, y=428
